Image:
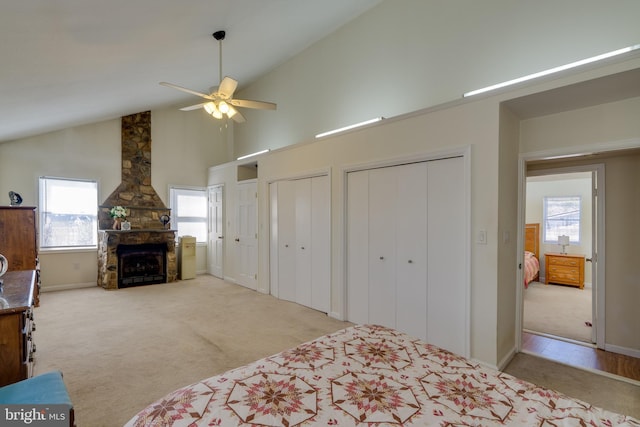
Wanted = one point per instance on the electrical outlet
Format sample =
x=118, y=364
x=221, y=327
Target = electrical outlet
x=481, y=238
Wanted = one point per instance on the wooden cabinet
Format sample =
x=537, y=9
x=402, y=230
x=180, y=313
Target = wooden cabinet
x=564, y=269
x=16, y=326
x=18, y=240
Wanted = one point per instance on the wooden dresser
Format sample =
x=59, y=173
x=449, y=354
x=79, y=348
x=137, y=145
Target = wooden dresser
x=16, y=326
x=18, y=240
x=564, y=269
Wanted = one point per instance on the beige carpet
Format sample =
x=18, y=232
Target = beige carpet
x=558, y=310
x=121, y=350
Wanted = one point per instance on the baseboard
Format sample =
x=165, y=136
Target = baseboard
x=623, y=350
x=505, y=360
x=67, y=286
x=336, y=315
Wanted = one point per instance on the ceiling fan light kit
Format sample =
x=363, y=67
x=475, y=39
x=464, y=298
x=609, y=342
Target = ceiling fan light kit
x=220, y=102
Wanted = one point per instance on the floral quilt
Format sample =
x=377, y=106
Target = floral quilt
x=369, y=376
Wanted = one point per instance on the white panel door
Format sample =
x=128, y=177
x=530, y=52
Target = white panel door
x=382, y=246
x=303, y=241
x=358, y=247
x=216, y=231
x=447, y=307
x=411, y=241
x=286, y=255
x=246, y=239
x=407, y=250
x=321, y=239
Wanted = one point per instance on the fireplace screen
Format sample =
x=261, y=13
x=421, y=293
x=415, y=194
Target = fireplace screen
x=143, y=264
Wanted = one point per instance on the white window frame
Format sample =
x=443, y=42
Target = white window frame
x=174, y=193
x=574, y=237
x=88, y=214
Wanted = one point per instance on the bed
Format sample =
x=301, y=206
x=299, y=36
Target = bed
x=531, y=253
x=368, y=375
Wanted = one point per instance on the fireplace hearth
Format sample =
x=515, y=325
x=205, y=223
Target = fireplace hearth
x=141, y=264
x=147, y=254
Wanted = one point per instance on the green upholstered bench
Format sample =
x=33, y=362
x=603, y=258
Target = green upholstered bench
x=43, y=389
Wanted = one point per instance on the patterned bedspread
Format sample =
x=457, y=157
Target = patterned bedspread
x=369, y=376
x=531, y=267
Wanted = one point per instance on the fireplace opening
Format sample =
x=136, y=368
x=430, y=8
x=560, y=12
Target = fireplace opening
x=143, y=264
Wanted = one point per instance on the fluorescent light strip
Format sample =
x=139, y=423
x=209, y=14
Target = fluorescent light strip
x=331, y=132
x=553, y=70
x=253, y=154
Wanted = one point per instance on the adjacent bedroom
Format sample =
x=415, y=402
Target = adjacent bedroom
x=558, y=286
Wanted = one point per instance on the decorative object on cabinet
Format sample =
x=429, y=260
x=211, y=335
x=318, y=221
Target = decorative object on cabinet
x=164, y=219
x=15, y=198
x=564, y=269
x=564, y=242
x=125, y=225
x=4, y=265
x=16, y=327
x=18, y=241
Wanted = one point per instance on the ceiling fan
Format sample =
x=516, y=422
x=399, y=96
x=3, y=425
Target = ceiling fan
x=220, y=101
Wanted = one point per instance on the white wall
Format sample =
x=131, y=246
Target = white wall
x=407, y=55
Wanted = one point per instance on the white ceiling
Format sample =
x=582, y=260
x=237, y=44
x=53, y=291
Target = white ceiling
x=72, y=62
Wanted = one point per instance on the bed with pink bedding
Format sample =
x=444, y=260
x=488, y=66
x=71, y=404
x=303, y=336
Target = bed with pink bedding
x=531, y=253
x=369, y=376
x=531, y=268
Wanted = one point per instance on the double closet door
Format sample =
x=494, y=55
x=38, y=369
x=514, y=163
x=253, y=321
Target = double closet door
x=300, y=241
x=407, y=250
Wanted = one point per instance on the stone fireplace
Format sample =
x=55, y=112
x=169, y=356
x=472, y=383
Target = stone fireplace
x=146, y=253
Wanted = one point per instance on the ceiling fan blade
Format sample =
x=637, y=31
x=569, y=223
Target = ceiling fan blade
x=184, y=89
x=194, y=107
x=227, y=87
x=261, y=105
x=236, y=116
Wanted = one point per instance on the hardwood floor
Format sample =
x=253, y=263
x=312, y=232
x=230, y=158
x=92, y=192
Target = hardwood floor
x=582, y=356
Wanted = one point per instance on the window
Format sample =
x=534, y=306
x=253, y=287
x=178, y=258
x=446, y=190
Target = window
x=189, y=212
x=68, y=213
x=562, y=217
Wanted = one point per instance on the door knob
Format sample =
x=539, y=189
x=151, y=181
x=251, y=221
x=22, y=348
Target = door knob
x=220, y=237
x=410, y=261
x=237, y=240
x=301, y=247
x=381, y=257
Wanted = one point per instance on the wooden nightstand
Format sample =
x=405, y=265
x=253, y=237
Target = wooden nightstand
x=564, y=269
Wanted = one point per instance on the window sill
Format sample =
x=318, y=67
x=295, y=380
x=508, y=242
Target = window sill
x=84, y=249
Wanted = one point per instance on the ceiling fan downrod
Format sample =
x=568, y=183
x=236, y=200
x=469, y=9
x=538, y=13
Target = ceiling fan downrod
x=219, y=35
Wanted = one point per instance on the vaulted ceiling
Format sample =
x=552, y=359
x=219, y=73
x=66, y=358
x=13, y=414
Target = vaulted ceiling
x=72, y=62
